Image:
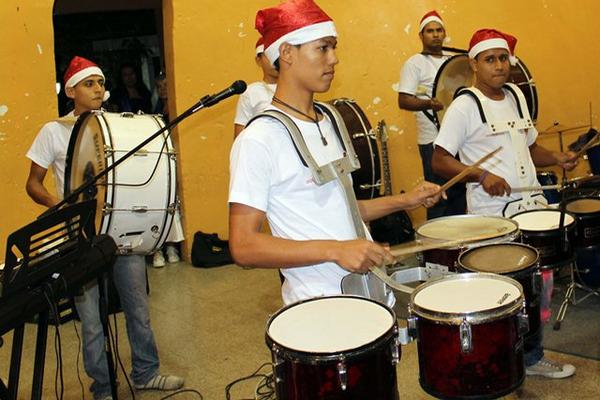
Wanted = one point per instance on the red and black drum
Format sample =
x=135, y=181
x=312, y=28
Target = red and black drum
x=367, y=179
x=541, y=229
x=515, y=260
x=488, y=229
x=334, y=348
x=470, y=335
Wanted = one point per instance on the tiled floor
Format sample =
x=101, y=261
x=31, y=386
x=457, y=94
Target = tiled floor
x=210, y=327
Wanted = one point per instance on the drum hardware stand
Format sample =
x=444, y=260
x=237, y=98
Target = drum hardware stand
x=570, y=296
x=207, y=101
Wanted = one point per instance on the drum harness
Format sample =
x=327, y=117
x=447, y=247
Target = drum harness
x=513, y=128
x=340, y=170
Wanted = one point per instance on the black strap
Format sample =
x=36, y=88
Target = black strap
x=469, y=92
x=510, y=89
x=432, y=117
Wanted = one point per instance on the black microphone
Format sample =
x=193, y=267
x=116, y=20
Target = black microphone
x=236, y=87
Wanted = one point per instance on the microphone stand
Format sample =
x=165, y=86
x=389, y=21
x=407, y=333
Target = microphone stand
x=204, y=102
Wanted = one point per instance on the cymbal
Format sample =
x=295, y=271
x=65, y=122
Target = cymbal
x=560, y=128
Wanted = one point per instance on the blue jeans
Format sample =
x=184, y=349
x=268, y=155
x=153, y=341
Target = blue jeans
x=457, y=200
x=129, y=274
x=533, y=350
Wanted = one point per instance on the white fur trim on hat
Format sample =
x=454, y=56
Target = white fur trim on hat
x=300, y=36
x=495, y=43
x=81, y=75
x=431, y=18
x=260, y=49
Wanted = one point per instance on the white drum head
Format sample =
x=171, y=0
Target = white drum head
x=541, y=220
x=462, y=296
x=330, y=324
x=467, y=227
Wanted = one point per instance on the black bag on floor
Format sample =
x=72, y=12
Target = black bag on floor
x=210, y=251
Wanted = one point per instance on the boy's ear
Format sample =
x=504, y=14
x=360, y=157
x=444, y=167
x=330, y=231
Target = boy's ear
x=70, y=92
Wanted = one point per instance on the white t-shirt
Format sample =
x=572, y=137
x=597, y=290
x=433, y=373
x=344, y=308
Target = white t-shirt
x=463, y=132
x=49, y=149
x=254, y=100
x=417, y=78
x=267, y=174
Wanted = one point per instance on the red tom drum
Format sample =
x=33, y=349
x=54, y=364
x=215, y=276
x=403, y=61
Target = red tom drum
x=469, y=330
x=334, y=348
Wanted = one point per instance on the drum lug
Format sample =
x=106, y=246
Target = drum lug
x=408, y=334
x=523, y=320
x=342, y=374
x=107, y=209
x=127, y=114
x=172, y=208
x=537, y=282
x=466, y=340
x=396, y=347
x=277, y=362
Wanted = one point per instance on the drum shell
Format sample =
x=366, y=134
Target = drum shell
x=493, y=368
x=588, y=266
x=549, y=178
x=529, y=277
x=588, y=224
x=367, y=179
x=555, y=246
x=593, y=156
x=370, y=369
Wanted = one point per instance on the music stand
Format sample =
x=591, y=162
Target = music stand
x=46, y=260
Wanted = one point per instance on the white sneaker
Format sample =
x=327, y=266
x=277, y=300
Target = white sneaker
x=550, y=369
x=158, y=260
x=162, y=382
x=172, y=256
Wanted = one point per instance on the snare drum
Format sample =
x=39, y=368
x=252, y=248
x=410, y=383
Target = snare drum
x=136, y=201
x=469, y=329
x=366, y=179
x=489, y=229
x=334, y=348
x=587, y=212
x=516, y=260
x=540, y=229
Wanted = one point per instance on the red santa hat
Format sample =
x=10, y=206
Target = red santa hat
x=79, y=69
x=294, y=22
x=485, y=39
x=431, y=16
x=260, y=46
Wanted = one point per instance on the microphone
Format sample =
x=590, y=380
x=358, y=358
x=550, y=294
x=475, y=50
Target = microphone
x=236, y=87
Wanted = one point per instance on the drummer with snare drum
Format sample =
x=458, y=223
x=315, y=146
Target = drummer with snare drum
x=415, y=94
x=489, y=115
x=84, y=83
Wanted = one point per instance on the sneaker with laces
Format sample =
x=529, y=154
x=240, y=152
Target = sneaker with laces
x=172, y=255
x=158, y=260
x=162, y=382
x=550, y=369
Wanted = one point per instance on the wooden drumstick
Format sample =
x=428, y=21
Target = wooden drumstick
x=468, y=170
x=544, y=205
x=535, y=188
x=418, y=246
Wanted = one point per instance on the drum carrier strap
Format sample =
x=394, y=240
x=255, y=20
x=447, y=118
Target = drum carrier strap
x=340, y=170
x=516, y=129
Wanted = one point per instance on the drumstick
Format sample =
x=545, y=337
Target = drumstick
x=587, y=146
x=418, y=246
x=544, y=205
x=468, y=170
x=535, y=188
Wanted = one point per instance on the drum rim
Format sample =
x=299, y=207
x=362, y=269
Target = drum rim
x=476, y=317
x=310, y=357
x=464, y=216
x=533, y=264
x=549, y=232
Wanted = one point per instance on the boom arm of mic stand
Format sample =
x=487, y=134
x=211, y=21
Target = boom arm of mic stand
x=73, y=195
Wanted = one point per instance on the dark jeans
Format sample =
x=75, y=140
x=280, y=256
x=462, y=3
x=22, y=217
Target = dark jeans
x=457, y=201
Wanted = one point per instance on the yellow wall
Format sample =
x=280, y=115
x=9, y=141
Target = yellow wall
x=209, y=44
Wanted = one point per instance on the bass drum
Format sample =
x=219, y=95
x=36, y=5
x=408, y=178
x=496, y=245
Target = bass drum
x=455, y=73
x=366, y=179
x=136, y=200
